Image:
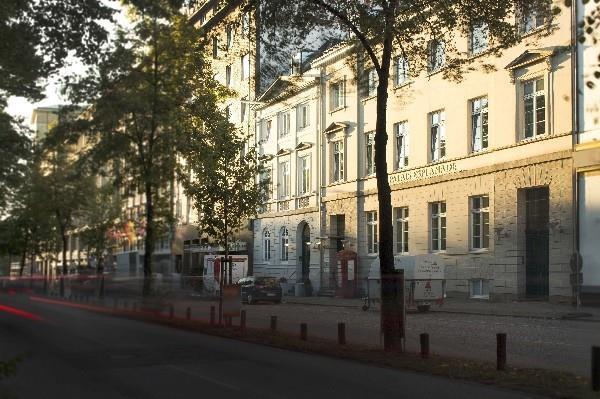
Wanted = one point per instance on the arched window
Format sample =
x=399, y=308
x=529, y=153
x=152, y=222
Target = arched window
x=267, y=245
x=285, y=241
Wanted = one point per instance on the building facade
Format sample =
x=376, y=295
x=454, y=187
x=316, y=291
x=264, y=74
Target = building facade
x=481, y=171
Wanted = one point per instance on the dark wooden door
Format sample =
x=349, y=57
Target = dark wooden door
x=536, y=242
x=305, y=251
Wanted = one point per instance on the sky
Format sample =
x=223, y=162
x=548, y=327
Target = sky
x=22, y=108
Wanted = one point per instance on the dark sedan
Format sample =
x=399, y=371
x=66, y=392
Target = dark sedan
x=254, y=289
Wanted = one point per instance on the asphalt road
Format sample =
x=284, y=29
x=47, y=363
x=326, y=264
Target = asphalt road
x=73, y=353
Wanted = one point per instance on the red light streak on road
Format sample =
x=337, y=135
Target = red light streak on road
x=20, y=313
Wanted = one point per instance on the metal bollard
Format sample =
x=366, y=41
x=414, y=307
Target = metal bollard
x=424, y=338
x=500, y=351
x=116, y=304
x=243, y=320
x=171, y=311
x=188, y=313
x=212, y=315
x=273, y=323
x=125, y=304
x=596, y=368
x=342, y=333
x=135, y=306
x=303, y=331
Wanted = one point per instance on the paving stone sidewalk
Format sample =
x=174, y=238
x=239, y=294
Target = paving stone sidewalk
x=531, y=309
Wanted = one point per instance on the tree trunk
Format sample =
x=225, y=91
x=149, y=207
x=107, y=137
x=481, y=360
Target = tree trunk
x=149, y=241
x=65, y=269
x=31, y=267
x=22, y=263
x=391, y=315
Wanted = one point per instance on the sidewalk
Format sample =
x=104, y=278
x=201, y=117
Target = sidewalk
x=526, y=309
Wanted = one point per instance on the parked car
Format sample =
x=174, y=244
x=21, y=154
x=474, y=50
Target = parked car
x=254, y=289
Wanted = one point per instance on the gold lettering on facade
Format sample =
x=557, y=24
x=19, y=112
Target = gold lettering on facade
x=423, y=173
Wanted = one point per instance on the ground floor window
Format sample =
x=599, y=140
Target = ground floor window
x=480, y=288
x=438, y=226
x=372, y=241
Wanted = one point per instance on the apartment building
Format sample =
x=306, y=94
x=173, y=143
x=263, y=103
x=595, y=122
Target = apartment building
x=586, y=159
x=481, y=171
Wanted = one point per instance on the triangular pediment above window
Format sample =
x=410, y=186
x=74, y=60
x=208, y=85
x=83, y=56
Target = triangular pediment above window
x=532, y=56
x=284, y=151
x=265, y=157
x=335, y=127
x=303, y=146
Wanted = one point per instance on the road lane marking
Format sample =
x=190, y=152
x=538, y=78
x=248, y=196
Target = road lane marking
x=205, y=378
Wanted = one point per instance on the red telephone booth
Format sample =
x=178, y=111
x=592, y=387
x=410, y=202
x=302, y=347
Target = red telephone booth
x=347, y=267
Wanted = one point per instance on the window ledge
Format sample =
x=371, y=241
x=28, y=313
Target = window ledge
x=337, y=183
x=368, y=98
x=534, y=138
x=472, y=56
x=535, y=31
x=479, y=251
x=480, y=297
x=343, y=107
x=403, y=85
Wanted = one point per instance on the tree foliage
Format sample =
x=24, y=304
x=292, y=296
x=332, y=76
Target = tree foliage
x=144, y=95
x=219, y=174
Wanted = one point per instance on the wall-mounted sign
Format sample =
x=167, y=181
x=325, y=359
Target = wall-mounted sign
x=423, y=173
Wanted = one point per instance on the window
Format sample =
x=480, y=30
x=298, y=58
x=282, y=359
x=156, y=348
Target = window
x=284, y=124
x=267, y=245
x=370, y=153
x=285, y=242
x=246, y=24
x=304, y=175
x=480, y=288
x=245, y=66
x=372, y=242
x=479, y=38
x=267, y=183
x=401, y=230
x=372, y=82
x=534, y=104
x=228, y=75
x=437, y=55
x=401, y=75
x=437, y=126
x=229, y=37
x=303, y=114
x=243, y=111
x=402, y=145
x=338, y=160
x=267, y=132
x=284, y=179
x=479, y=124
x=337, y=95
x=438, y=226
x=480, y=222
x=215, y=47
x=532, y=17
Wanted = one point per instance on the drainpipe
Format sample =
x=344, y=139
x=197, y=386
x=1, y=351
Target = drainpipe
x=575, y=140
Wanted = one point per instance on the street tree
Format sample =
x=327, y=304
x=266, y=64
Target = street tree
x=153, y=81
x=100, y=214
x=219, y=174
x=67, y=184
x=423, y=33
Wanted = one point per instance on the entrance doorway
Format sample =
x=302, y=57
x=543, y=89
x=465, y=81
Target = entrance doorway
x=536, y=242
x=305, y=257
